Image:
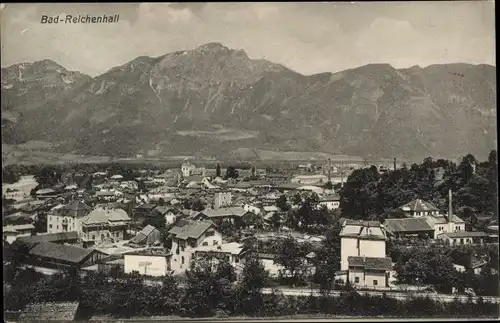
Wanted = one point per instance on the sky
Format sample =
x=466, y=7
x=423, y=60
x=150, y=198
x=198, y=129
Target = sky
x=306, y=37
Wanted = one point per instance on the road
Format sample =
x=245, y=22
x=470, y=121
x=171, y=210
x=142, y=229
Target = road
x=396, y=295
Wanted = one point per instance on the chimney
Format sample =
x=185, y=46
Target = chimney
x=394, y=163
x=450, y=206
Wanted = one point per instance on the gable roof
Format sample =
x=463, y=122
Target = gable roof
x=407, y=225
x=225, y=212
x=185, y=229
x=418, y=205
x=370, y=263
x=61, y=311
x=101, y=215
x=51, y=237
x=71, y=254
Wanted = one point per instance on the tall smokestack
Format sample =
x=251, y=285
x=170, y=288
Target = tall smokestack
x=394, y=163
x=450, y=206
x=329, y=170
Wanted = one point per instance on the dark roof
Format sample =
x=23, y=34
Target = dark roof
x=419, y=205
x=362, y=223
x=61, y=252
x=51, y=237
x=407, y=225
x=147, y=206
x=185, y=229
x=36, y=312
x=371, y=263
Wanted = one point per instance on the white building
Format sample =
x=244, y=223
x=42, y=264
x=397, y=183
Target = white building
x=150, y=262
x=361, y=239
x=232, y=251
x=12, y=232
x=331, y=202
x=104, y=225
x=188, y=169
x=310, y=179
x=188, y=235
x=222, y=199
x=65, y=218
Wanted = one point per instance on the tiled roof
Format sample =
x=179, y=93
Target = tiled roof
x=36, y=312
x=185, y=229
x=407, y=225
x=18, y=227
x=442, y=219
x=419, y=205
x=56, y=251
x=51, y=237
x=223, y=212
x=330, y=198
x=371, y=263
x=101, y=215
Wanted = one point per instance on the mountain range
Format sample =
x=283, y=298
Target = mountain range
x=216, y=101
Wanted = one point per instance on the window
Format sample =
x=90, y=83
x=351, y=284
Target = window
x=375, y=282
x=57, y=227
x=356, y=280
x=215, y=242
x=236, y=259
x=182, y=260
x=93, y=237
x=50, y=226
x=204, y=244
x=461, y=241
x=209, y=233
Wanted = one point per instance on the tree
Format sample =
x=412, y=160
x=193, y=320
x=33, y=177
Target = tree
x=328, y=257
x=161, y=201
x=208, y=285
x=254, y=279
x=231, y=172
x=282, y=203
x=291, y=257
x=156, y=220
x=328, y=185
x=217, y=171
x=253, y=173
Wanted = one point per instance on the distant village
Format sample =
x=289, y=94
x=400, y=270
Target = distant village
x=157, y=223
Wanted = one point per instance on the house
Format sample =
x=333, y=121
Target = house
x=233, y=252
x=149, y=235
x=170, y=213
x=419, y=208
x=104, y=225
x=277, y=179
x=234, y=215
x=369, y=272
x=254, y=208
x=222, y=199
x=463, y=237
x=408, y=227
x=361, y=239
x=65, y=218
x=145, y=210
x=150, y=262
x=187, y=235
x=310, y=179
x=188, y=169
x=48, y=312
x=270, y=265
x=331, y=202
x=16, y=231
x=49, y=254
x=46, y=193
x=106, y=196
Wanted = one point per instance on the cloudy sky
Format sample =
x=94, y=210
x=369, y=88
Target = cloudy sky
x=307, y=37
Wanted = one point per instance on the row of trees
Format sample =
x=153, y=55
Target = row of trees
x=367, y=194
x=211, y=290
